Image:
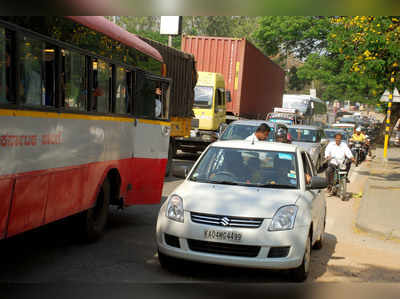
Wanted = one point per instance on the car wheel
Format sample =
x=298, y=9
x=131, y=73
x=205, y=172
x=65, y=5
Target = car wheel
x=319, y=244
x=300, y=274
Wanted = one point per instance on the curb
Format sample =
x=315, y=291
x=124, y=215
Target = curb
x=393, y=235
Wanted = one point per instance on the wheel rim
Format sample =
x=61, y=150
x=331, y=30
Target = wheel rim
x=307, y=256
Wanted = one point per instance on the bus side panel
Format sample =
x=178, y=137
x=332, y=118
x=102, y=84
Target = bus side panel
x=28, y=204
x=150, y=159
x=5, y=192
x=149, y=178
x=66, y=193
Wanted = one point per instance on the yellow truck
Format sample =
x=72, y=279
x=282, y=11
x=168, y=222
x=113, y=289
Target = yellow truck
x=209, y=108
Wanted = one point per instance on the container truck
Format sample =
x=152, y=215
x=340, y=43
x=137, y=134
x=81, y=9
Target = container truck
x=253, y=84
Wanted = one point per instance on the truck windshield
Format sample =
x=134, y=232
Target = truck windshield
x=203, y=96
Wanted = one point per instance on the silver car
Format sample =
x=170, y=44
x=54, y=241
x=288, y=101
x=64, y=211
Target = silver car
x=312, y=139
x=245, y=204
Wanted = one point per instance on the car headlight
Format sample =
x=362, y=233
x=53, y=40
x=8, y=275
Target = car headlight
x=284, y=218
x=175, y=208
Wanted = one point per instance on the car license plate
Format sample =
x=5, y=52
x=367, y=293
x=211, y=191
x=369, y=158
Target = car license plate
x=222, y=235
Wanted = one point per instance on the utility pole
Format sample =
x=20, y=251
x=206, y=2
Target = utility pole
x=389, y=111
x=169, y=40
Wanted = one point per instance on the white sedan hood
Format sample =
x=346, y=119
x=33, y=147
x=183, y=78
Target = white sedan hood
x=231, y=200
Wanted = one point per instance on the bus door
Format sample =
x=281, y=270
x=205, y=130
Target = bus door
x=151, y=131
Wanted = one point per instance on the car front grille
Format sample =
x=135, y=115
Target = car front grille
x=224, y=248
x=226, y=221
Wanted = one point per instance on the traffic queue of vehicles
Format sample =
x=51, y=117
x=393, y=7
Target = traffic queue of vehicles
x=244, y=203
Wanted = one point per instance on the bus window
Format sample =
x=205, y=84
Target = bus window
x=121, y=97
x=101, y=84
x=37, y=71
x=145, y=96
x=6, y=95
x=74, y=80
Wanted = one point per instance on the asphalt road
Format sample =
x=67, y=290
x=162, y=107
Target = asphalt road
x=127, y=253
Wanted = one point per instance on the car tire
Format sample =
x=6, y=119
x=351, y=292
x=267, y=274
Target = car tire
x=320, y=242
x=301, y=273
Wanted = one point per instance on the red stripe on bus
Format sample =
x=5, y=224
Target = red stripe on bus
x=44, y=196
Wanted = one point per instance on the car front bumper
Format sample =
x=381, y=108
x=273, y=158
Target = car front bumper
x=295, y=239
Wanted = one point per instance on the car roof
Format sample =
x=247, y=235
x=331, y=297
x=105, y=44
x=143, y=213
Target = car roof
x=257, y=145
x=255, y=123
x=307, y=127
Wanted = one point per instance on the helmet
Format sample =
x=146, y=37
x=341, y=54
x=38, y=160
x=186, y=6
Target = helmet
x=358, y=129
x=280, y=134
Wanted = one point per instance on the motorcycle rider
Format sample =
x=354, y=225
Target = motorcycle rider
x=358, y=136
x=336, y=152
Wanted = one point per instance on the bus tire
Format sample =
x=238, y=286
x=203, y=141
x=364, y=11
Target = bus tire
x=95, y=219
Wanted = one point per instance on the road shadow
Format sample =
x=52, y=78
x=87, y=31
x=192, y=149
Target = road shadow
x=320, y=258
x=366, y=273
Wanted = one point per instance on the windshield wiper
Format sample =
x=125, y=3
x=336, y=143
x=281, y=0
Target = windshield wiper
x=223, y=182
x=276, y=186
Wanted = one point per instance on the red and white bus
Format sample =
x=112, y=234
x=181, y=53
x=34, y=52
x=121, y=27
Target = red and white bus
x=83, y=122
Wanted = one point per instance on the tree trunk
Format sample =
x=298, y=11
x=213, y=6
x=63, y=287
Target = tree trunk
x=395, y=115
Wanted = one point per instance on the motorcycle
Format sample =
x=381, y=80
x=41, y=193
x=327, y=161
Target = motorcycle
x=339, y=187
x=358, y=150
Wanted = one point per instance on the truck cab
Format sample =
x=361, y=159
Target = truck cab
x=209, y=101
x=209, y=108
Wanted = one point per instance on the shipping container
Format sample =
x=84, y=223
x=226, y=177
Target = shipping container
x=255, y=83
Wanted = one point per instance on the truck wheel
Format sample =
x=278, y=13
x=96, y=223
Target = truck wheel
x=300, y=274
x=95, y=219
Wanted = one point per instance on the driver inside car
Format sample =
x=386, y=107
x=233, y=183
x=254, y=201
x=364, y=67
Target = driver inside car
x=232, y=166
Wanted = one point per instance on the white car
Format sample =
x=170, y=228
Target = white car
x=245, y=204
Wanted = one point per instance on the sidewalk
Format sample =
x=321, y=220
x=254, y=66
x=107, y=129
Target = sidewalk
x=379, y=211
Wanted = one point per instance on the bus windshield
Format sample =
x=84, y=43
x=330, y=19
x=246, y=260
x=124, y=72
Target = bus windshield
x=203, y=96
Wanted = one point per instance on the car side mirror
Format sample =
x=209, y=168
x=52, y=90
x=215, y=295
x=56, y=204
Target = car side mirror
x=318, y=182
x=180, y=171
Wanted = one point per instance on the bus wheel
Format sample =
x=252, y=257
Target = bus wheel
x=95, y=219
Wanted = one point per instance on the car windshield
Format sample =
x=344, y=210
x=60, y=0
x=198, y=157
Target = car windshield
x=242, y=131
x=203, y=96
x=303, y=135
x=232, y=166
